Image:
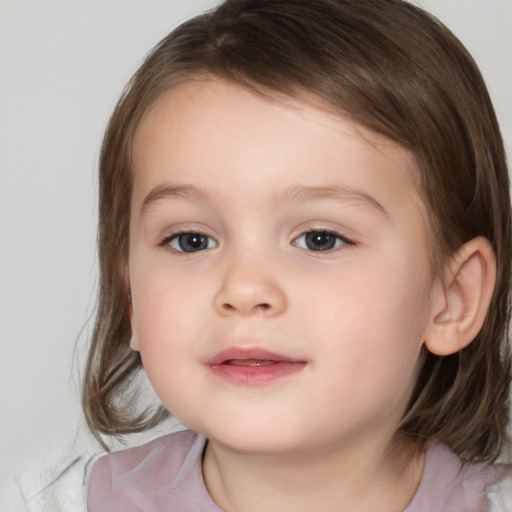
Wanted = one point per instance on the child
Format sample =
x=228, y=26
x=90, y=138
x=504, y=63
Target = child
x=305, y=243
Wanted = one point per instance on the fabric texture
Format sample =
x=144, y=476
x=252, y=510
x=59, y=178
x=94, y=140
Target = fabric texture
x=57, y=480
x=448, y=486
x=166, y=474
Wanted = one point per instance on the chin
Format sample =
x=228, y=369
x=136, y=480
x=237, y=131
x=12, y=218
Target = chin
x=259, y=446
x=258, y=441
x=262, y=432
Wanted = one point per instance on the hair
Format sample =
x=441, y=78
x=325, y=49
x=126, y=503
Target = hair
x=391, y=67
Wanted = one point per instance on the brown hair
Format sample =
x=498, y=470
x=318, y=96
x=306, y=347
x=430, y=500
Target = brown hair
x=391, y=67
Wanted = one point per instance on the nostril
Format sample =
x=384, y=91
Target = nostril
x=264, y=306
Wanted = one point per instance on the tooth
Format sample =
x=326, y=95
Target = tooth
x=249, y=362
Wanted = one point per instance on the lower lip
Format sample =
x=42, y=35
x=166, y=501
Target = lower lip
x=256, y=375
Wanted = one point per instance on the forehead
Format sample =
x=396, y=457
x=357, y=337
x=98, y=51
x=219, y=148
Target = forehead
x=219, y=98
x=199, y=130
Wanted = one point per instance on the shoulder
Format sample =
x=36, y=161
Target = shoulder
x=449, y=486
x=59, y=489
x=500, y=494
x=150, y=477
x=169, y=451
x=52, y=479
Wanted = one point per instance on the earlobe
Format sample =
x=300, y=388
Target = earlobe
x=461, y=304
x=134, y=343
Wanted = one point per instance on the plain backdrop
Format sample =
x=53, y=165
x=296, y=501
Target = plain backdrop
x=63, y=65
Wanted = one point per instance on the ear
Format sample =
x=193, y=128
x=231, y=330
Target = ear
x=460, y=305
x=134, y=342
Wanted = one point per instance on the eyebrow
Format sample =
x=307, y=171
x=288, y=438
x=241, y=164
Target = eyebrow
x=168, y=191
x=293, y=194
x=335, y=192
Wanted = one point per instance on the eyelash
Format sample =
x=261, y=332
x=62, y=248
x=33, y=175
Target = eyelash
x=333, y=239
x=338, y=239
x=167, y=241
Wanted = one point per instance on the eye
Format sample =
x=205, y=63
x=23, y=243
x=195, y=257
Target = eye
x=190, y=242
x=320, y=241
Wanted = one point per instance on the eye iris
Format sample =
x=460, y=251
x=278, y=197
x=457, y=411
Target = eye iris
x=320, y=241
x=191, y=242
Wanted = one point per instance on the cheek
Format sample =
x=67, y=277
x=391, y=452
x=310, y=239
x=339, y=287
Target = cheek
x=161, y=321
x=158, y=319
x=159, y=295
x=373, y=357
x=164, y=346
x=167, y=324
x=372, y=322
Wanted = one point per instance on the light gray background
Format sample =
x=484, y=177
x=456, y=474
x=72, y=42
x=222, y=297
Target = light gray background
x=63, y=65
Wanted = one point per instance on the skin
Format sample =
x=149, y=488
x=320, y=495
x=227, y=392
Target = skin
x=252, y=176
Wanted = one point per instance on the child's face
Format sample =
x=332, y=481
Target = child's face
x=264, y=226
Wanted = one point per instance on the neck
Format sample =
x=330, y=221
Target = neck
x=337, y=478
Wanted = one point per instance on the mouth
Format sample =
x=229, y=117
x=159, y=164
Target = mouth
x=252, y=367
x=249, y=362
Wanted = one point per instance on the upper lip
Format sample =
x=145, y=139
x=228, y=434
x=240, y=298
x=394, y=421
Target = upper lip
x=259, y=354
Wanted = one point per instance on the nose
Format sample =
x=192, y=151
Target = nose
x=248, y=288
